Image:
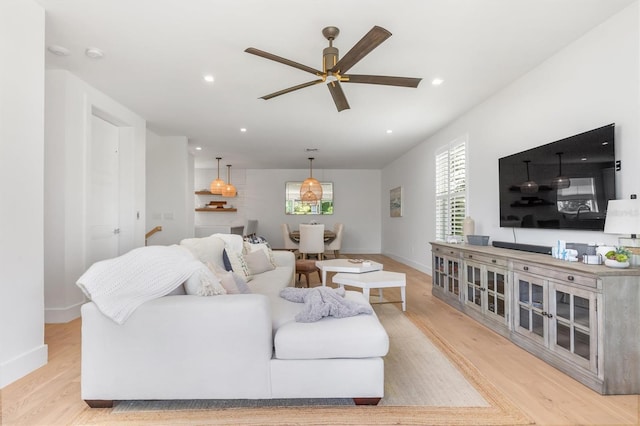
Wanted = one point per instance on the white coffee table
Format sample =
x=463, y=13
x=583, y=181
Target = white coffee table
x=376, y=279
x=343, y=265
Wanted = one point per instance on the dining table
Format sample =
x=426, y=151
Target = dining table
x=328, y=236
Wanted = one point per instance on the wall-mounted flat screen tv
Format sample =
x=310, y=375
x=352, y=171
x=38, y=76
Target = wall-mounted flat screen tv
x=561, y=185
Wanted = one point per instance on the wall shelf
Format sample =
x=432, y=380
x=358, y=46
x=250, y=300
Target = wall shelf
x=205, y=192
x=214, y=206
x=217, y=210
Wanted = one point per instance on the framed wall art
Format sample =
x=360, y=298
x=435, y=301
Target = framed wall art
x=395, y=202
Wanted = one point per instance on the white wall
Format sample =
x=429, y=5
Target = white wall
x=22, y=347
x=261, y=196
x=169, y=191
x=590, y=83
x=69, y=106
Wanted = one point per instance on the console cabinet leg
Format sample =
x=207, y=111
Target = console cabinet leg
x=366, y=401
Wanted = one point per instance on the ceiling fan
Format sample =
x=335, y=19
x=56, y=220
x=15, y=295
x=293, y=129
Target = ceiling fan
x=334, y=69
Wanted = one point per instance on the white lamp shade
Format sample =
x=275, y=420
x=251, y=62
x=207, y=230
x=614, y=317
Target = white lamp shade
x=623, y=217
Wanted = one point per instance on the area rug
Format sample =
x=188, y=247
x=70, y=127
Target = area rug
x=426, y=382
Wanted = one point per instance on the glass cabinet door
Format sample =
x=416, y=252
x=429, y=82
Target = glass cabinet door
x=439, y=272
x=531, y=311
x=574, y=324
x=473, y=281
x=453, y=276
x=496, y=292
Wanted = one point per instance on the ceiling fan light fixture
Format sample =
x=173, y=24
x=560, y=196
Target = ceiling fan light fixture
x=229, y=190
x=311, y=189
x=217, y=184
x=329, y=57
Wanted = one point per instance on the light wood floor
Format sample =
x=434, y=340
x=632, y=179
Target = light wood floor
x=51, y=395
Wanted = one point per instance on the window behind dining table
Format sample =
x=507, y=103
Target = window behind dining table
x=451, y=188
x=294, y=205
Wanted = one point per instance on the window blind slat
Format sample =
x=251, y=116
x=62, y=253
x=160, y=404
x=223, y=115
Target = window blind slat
x=451, y=189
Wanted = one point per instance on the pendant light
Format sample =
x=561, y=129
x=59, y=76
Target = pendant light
x=560, y=182
x=218, y=184
x=229, y=190
x=528, y=187
x=311, y=190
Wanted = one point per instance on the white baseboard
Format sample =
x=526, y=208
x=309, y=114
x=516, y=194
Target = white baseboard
x=62, y=315
x=354, y=251
x=419, y=266
x=20, y=366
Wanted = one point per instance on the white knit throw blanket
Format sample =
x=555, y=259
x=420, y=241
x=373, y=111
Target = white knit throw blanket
x=118, y=286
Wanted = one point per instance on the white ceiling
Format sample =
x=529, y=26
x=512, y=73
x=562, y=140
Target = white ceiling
x=157, y=51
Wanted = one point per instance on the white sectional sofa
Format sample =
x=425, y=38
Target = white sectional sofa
x=235, y=346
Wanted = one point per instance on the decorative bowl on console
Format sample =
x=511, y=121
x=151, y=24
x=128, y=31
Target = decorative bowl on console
x=615, y=264
x=618, y=258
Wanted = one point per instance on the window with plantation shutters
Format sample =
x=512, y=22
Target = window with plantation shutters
x=451, y=189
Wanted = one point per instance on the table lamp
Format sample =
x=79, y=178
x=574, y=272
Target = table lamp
x=623, y=217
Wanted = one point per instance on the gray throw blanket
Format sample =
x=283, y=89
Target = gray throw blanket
x=320, y=302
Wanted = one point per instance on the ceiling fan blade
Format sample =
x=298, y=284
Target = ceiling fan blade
x=370, y=41
x=282, y=60
x=382, y=79
x=338, y=95
x=290, y=89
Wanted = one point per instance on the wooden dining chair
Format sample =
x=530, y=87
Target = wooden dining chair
x=311, y=240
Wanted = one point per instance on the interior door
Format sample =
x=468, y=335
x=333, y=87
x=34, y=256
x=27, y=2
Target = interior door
x=103, y=204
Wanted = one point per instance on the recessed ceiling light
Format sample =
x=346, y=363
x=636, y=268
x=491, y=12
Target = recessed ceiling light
x=243, y=129
x=437, y=81
x=208, y=78
x=389, y=131
x=605, y=143
x=58, y=50
x=198, y=148
x=94, y=53
x=583, y=159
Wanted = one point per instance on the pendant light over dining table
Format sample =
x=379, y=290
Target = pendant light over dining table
x=217, y=185
x=229, y=190
x=311, y=190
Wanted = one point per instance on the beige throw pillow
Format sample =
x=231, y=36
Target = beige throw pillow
x=258, y=262
x=231, y=281
x=238, y=264
x=251, y=247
